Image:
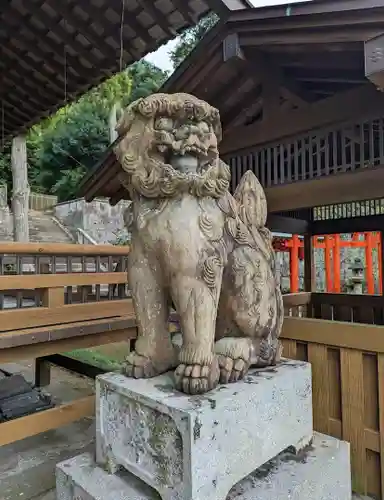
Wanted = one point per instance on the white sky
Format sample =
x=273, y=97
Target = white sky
x=161, y=57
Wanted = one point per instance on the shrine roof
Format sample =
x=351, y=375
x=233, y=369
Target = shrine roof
x=305, y=54
x=52, y=51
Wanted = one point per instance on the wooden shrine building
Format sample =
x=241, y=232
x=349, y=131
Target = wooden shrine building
x=298, y=89
x=52, y=51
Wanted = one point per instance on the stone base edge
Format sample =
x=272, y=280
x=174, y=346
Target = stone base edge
x=319, y=472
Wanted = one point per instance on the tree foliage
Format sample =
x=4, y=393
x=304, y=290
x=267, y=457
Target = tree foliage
x=190, y=38
x=62, y=148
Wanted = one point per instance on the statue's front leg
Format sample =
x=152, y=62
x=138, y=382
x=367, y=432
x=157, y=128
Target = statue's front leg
x=198, y=370
x=154, y=352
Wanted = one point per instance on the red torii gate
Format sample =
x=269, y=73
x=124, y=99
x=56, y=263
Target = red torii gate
x=332, y=245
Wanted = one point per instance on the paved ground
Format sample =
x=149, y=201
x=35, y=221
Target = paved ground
x=27, y=467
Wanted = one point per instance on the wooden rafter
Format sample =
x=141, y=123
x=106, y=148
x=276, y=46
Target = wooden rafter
x=186, y=12
x=158, y=17
x=66, y=38
x=82, y=27
x=28, y=68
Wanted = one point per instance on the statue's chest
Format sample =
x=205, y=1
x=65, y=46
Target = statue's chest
x=178, y=224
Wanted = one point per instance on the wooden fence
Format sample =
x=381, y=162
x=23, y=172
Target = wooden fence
x=321, y=153
x=348, y=389
x=55, y=298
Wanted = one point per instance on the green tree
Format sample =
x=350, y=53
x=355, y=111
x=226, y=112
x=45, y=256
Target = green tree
x=63, y=147
x=190, y=38
x=146, y=79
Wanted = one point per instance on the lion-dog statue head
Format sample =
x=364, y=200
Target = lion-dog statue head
x=170, y=145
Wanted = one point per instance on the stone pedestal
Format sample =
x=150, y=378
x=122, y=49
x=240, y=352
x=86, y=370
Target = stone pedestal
x=246, y=441
x=193, y=448
x=321, y=472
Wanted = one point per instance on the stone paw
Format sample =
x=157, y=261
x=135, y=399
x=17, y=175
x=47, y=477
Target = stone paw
x=197, y=379
x=232, y=370
x=137, y=366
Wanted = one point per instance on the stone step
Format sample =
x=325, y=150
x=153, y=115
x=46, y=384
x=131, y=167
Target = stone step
x=320, y=472
x=42, y=229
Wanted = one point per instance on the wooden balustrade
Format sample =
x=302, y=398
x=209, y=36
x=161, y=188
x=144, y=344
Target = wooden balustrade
x=321, y=153
x=56, y=298
x=348, y=389
x=367, y=309
x=295, y=304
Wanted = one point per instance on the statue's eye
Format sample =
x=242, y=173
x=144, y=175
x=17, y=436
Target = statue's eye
x=164, y=124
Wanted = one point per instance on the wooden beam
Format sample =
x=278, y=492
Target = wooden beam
x=250, y=100
x=355, y=104
x=374, y=61
x=350, y=225
x=207, y=54
x=32, y=351
x=281, y=224
x=276, y=76
x=340, y=188
x=362, y=337
x=54, y=418
x=307, y=9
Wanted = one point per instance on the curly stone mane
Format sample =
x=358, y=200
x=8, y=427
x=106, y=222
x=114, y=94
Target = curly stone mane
x=144, y=168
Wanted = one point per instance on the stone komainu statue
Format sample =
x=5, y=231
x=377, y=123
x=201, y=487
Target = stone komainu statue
x=196, y=245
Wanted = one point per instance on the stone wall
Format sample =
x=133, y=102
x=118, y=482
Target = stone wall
x=103, y=222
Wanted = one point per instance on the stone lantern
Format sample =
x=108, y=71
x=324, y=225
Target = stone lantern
x=357, y=278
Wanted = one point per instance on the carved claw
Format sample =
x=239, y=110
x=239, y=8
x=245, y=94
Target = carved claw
x=232, y=370
x=137, y=366
x=197, y=379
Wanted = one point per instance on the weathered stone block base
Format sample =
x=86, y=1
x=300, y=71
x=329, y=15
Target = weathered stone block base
x=199, y=447
x=321, y=472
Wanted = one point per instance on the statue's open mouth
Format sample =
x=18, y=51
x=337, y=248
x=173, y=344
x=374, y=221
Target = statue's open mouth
x=187, y=163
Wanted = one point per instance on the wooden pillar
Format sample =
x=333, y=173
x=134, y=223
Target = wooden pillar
x=294, y=264
x=336, y=265
x=20, y=193
x=381, y=260
x=327, y=260
x=309, y=269
x=309, y=264
x=369, y=263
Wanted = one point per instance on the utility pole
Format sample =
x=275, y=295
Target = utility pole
x=20, y=191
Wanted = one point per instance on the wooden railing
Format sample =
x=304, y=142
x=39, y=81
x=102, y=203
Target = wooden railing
x=57, y=298
x=322, y=153
x=348, y=389
x=347, y=307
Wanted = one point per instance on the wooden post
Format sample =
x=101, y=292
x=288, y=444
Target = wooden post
x=294, y=263
x=327, y=260
x=380, y=257
x=309, y=269
x=369, y=263
x=20, y=195
x=336, y=265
